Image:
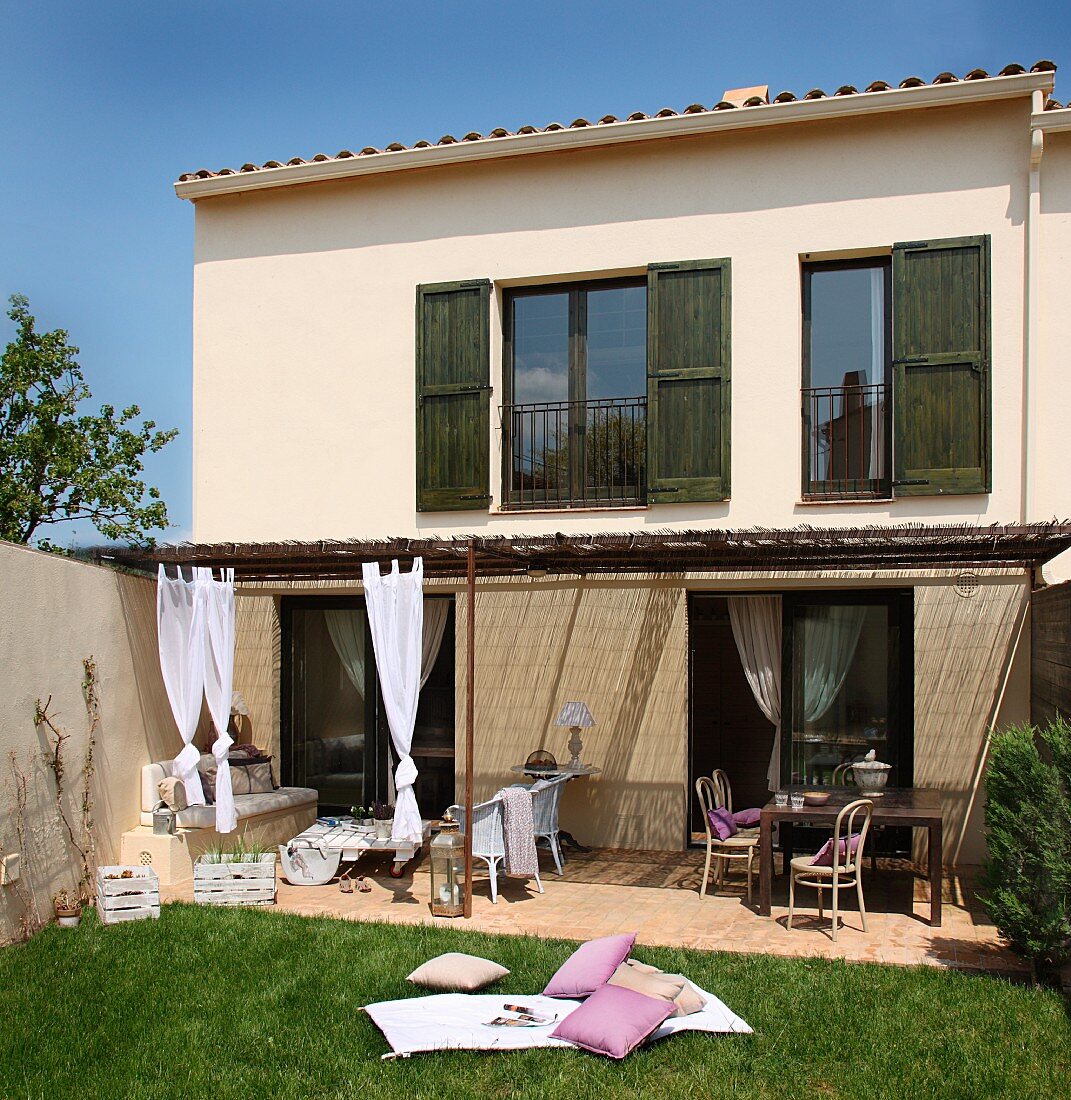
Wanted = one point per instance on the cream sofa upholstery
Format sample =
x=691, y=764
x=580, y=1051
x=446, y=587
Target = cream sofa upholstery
x=204, y=817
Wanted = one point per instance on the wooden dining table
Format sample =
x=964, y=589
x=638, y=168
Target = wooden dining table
x=914, y=807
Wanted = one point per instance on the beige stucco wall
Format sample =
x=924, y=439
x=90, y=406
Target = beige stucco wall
x=1051, y=412
x=621, y=645
x=304, y=300
x=54, y=613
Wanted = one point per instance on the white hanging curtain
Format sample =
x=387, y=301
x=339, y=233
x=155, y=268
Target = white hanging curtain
x=436, y=612
x=347, y=636
x=830, y=638
x=219, y=680
x=180, y=628
x=395, y=605
x=756, y=622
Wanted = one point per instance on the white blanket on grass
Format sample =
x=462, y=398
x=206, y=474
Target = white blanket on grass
x=458, y=1021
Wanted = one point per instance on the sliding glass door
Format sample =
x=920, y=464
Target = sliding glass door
x=848, y=683
x=329, y=720
x=334, y=732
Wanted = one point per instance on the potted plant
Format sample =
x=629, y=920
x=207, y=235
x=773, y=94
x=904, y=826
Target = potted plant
x=68, y=908
x=362, y=815
x=383, y=818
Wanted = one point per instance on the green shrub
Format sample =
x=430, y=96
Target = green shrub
x=1028, y=824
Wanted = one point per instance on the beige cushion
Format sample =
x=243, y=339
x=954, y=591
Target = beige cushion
x=455, y=971
x=172, y=793
x=251, y=778
x=652, y=982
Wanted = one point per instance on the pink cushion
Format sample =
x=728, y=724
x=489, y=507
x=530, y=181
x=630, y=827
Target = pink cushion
x=721, y=821
x=590, y=966
x=825, y=853
x=613, y=1021
x=746, y=818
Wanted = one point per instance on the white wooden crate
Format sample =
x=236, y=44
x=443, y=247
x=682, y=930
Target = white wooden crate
x=235, y=883
x=135, y=897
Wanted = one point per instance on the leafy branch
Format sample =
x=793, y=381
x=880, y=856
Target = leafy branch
x=57, y=464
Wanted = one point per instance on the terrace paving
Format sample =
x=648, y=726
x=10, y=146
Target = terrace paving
x=656, y=894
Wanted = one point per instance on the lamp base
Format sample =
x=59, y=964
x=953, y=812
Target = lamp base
x=576, y=747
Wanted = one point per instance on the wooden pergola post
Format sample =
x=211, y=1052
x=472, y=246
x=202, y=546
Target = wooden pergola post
x=470, y=705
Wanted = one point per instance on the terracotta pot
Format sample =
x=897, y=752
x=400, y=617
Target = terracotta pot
x=68, y=917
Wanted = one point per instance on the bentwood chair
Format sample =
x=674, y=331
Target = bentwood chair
x=843, y=776
x=723, y=792
x=741, y=846
x=845, y=871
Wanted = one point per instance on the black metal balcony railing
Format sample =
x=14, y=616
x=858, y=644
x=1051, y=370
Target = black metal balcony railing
x=847, y=441
x=569, y=454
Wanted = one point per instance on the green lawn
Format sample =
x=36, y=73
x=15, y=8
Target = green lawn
x=232, y=1003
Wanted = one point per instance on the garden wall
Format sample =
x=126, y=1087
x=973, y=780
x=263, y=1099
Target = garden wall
x=1050, y=669
x=54, y=613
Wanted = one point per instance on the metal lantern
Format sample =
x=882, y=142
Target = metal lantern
x=448, y=870
x=163, y=820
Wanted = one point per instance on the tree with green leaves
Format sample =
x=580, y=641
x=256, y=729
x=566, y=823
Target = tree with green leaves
x=1028, y=832
x=59, y=464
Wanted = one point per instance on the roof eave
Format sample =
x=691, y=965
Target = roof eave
x=616, y=133
x=1052, y=122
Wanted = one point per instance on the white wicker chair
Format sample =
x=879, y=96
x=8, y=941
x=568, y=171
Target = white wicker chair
x=545, y=803
x=487, y=840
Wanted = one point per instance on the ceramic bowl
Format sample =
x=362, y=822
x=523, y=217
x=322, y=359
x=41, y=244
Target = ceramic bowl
x=815, y=798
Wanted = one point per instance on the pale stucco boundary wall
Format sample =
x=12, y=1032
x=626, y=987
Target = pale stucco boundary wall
x=55, y=612
x=621, y=644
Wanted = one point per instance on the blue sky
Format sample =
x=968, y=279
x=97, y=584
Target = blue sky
x=105, y=104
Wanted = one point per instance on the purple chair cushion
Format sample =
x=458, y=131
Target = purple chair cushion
x=824, y=858
x=746, y=818
x=590, y=966
x=721, y=821
x=613, y=1021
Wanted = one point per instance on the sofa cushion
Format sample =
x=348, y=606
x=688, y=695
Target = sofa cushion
x=247, y=805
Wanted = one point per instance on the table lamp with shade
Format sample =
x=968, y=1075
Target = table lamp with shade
x=577, y=717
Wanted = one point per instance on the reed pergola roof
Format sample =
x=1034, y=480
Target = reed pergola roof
x=913, y=546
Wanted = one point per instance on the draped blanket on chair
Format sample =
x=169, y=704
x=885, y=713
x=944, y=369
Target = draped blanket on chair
x=395, y=605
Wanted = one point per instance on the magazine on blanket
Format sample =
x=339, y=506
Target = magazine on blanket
x=522, y=1017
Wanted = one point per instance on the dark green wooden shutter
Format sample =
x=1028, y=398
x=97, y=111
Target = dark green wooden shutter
x=453, y=367
x=688, y=321
x=941, y=382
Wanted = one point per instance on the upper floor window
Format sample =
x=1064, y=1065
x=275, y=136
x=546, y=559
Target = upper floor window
x=615, y=392
x=574, y=421
x=847, y=367
x=896, y=373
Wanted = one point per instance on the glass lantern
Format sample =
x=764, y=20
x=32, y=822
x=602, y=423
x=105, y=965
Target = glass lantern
x=448, y=870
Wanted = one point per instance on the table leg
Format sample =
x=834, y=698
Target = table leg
x=765, y=864
x=936, y=854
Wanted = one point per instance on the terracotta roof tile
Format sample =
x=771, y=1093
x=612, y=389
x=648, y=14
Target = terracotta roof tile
x=878, y=86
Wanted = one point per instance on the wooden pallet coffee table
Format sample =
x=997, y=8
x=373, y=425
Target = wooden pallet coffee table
x=313, y=857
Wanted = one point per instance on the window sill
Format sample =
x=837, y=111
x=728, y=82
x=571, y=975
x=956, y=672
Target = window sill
x=845, y=500
x=570, y=511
